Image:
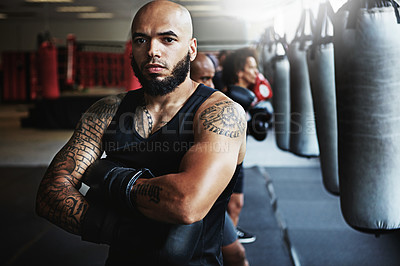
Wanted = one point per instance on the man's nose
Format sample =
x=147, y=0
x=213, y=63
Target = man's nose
x=154, y=49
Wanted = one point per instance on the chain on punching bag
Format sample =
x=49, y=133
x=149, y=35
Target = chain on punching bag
x=48, y=70
x=367, y=49
x=281, y=99
x=303, y=137
x=320, y=60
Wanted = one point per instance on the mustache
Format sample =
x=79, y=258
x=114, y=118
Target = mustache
x=154, y=61
x=150, y=60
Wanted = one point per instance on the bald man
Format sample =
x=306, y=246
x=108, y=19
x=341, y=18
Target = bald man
x=202, y=70
x=173, y=150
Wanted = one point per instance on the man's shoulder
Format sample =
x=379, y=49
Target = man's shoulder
x=220, y=99
x=106, y=106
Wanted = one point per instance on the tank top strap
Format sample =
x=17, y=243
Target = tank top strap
x=201, y=94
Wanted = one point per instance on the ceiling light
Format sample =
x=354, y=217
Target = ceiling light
x=203, y=7
x=49, y=1
x=95, y=15
x=3, y=16
x=76, y=9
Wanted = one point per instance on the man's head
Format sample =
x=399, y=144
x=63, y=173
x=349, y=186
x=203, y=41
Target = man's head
x=240, y=68
x=162, y=46
x=202, y=70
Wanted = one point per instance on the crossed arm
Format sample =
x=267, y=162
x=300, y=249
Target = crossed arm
x=184, y=197
x=58, y=198
x=205, y=171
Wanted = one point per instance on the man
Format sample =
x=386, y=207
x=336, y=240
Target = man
x=202, y=70
x=218, y=82
x=191, y=137
x=239, y=73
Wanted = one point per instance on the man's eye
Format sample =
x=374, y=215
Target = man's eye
x=139, y=40
x=169, y=39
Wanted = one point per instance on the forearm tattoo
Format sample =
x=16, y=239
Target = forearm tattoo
x=58, y=198
x=224, y=119
x=151, y=192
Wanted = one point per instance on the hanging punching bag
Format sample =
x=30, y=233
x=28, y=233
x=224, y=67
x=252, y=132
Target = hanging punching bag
x=320, y=60
x=267, y=54
x=367, y=49
x=281, y=99
x=303, y=137
x=48, y=69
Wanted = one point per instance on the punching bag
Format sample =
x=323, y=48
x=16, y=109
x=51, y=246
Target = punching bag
x=303, y=136
x=320, y=60
x=48, y=69
x=281, y=99
x=267, y=54
x=367, y=63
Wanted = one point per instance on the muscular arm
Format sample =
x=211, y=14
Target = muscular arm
x=205, y=171
x=58, y=199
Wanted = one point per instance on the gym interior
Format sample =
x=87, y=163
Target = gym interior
x=322, y=188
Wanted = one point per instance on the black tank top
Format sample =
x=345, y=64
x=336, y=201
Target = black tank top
x=162, y=153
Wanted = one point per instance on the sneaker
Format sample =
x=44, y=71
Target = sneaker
x=245, y=237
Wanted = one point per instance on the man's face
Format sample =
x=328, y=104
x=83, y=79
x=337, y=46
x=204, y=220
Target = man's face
x=157, y=87
x=160, y=45
x=203, y=72
x=250, y=71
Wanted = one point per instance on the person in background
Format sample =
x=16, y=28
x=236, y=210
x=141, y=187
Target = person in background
x=202, y=70
x=217, y=79
x=239, y=73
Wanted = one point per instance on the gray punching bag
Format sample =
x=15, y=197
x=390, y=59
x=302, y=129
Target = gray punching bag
x=281, y=99
x=267, y=54
x=367, y=63
x=320, y=60
x=303, y=136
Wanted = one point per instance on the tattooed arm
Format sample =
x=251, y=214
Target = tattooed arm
x=58, y=199
x=206, y=169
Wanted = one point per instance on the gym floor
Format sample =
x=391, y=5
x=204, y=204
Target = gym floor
x=296, y=221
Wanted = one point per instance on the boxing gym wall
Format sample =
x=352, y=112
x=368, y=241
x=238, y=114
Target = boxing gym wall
x=353, y=88
x=46, y=72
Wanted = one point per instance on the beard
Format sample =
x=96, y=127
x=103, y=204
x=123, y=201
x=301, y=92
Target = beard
x=156, y=87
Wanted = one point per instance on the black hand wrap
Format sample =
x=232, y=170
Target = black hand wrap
x=261, y=117
x=113, y=181
x=119, y=182
x=109, y=183
x=242, y=96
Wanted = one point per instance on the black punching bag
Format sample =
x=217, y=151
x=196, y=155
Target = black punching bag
x=367, y=63
x=320, y=60
x=303, y=136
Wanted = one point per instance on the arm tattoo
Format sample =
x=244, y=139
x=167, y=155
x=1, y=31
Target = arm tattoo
x=152, y=192
x=58, y=198
x=224, y=118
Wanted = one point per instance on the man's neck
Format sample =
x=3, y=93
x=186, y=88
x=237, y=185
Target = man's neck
x=172, y=100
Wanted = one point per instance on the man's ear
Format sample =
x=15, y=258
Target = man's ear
x=193, y=49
